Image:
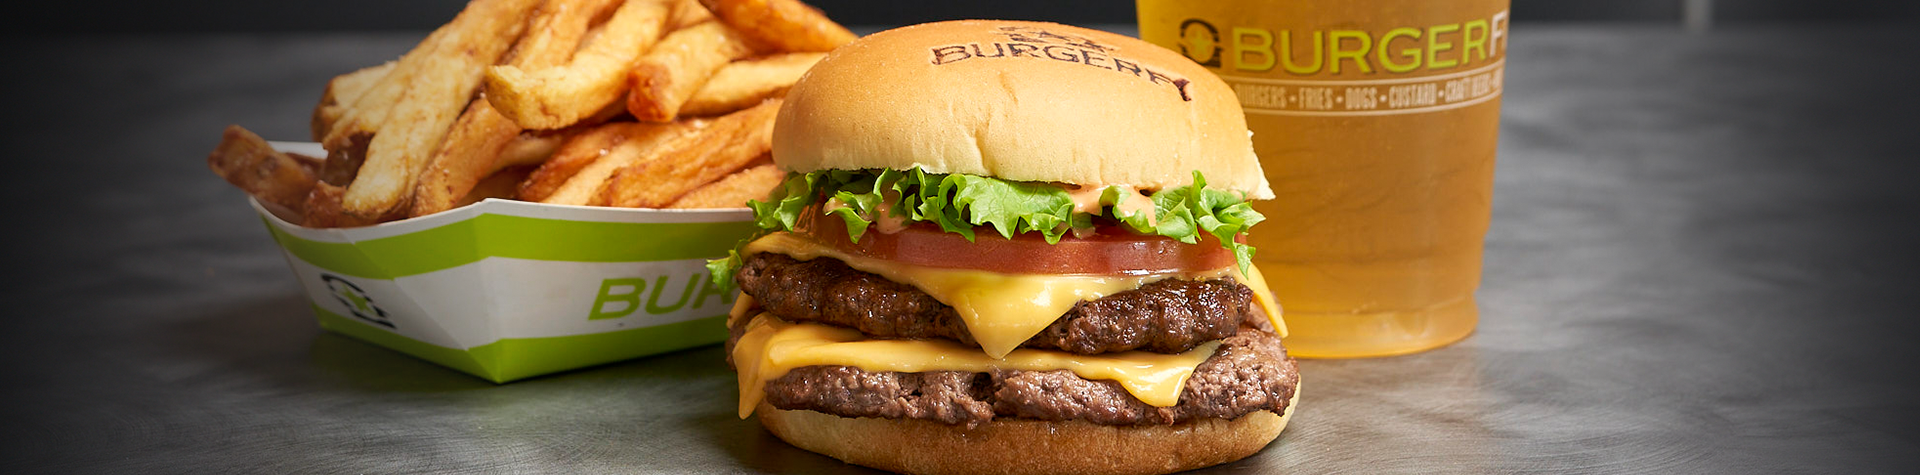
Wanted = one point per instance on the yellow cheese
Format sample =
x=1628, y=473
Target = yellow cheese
x=1262, y=297
x=1001, y=310
x=737, y=316
x=771, y=347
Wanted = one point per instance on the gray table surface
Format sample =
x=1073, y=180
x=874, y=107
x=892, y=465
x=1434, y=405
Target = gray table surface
x=1702, y=260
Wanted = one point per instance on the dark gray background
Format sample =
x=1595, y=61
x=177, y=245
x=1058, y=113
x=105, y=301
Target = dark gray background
x=131, y=16
x=1703, y=259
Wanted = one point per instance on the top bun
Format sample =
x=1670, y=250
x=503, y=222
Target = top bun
x=1022, y=101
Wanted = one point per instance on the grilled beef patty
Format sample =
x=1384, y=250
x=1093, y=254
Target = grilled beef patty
x=1166, y=316
x=1250, y=372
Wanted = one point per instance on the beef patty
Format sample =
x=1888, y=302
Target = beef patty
x=1166, y=316
x=1249, y=372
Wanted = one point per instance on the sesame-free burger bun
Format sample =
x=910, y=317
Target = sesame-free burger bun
x=1023, y=101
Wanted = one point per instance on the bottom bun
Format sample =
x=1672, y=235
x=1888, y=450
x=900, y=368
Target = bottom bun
x=1018, y=446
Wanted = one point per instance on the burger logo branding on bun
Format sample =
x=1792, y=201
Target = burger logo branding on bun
x=1041, y=43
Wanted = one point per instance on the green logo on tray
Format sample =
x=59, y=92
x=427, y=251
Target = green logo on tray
x=620, y=297
x=356, y=300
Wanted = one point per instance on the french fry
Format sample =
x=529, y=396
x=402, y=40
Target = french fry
x=500, y=184
x=445, y=82
x=343, y=163
x=585, y=187
x=518, y=150
x=366, y=113
x=521, y=150
x=579, y=151
x=668, y=75
x=323, y=209
x=729, y=144
x=340, y=94
x=734, y=190
x=472, y=149
x=248, y=162
x=688, y=13
x=741, y=84
x=463, y=158
x=784, y=25
x=556, y=31
x=530, y=149
x=358, y=121
x=613, y=111
x=551, y=98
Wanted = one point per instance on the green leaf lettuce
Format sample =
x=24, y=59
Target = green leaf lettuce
x=960, y=203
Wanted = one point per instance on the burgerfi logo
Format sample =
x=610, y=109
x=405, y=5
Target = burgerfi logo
x=358, y=303
x=663, y=294
x=1306, y=52
x=1046, y=44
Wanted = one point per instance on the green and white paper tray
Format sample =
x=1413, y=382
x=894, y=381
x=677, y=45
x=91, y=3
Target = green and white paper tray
x=506, y=290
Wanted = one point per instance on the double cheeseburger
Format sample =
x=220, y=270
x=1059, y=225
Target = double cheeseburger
x=1010, y=247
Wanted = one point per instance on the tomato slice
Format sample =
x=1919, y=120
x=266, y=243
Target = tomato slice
x=1108, y=251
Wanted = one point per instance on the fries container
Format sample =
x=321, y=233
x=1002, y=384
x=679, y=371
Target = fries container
x=506, y=290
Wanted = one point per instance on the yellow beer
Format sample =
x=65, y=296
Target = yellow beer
x=1375, y=121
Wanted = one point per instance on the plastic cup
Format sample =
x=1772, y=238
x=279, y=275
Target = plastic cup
x=1375, y=121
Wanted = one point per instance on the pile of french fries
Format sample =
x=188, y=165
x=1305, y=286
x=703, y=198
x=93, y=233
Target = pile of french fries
x=631, y=103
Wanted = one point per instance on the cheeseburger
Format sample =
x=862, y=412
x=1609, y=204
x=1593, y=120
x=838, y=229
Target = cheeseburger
x=1010, y=247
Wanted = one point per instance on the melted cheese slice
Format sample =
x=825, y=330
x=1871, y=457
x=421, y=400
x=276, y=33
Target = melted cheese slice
x=1262, y=296
x=1003, y=310
x=771, y=347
